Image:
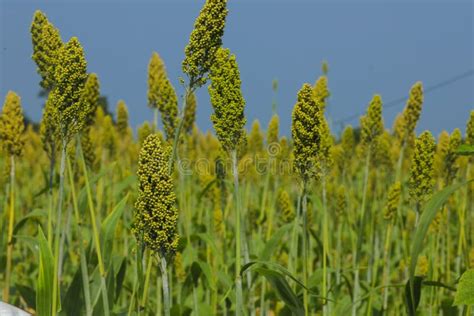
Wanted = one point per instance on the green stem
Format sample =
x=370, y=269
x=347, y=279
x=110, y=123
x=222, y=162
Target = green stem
x=238, y=263
x=51, y=203
x=155, y=119
x=56, y=290
x=84, y=273
x=147, y=279
x=166, y=292
x=11, y=219
x=177, y=133
x=305, y=246
x=359, y=237
x=326, y=276
x=95, y=234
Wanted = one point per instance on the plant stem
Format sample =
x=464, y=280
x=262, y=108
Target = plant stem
x=359, y=237
x=11, y=219
x=147, y=280
x=95, y=235
x=238, y=263
x=177, y=133
x=56, y=280
x=305, y=245
x=155, y=119
x=84, y=273
x=326, y=275
x=51, y=203
x=166, y=292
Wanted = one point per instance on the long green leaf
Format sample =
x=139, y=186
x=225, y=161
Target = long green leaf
x=427, y=216
x=465, y=150
x=283, y=289
x=44, y=286
x=273, y=243
x=107, y=229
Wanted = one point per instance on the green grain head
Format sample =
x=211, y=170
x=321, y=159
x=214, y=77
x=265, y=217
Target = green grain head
x=204, y=42
x=470, y=129
x=412, y=110
x=421, y=173
x=273, y=130
x=285, y=206
x=190, y=113
x=227, y=100
x=161, y=95
x=321, y=91
x=90, y=96
x=372, y=123
x=451, y=158
x=306, y=119
x=46, y=45
x=12, y=125
x=70, y=77
x=393, y=201
x=122, y=118
x=143, y=131
x=156, y=215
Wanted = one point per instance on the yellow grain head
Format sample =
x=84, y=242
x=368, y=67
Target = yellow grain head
x=156, y=215
x=204, y=41
x=12, y=125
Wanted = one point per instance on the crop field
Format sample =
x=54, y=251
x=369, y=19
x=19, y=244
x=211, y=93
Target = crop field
x=100, y=219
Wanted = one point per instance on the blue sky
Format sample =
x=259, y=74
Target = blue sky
x=371, y=46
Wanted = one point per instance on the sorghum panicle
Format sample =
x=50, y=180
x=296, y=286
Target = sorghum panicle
x=12, y=125
x=156, y=215
x=122, y=118
x=372, y=123
x=273, y=130
x=46, y=45
x=321, y=91
x=393, y=200
x=204, y=41
x=412, y=111
x=421, y=175
x=161, y=95
x=190, y=113
x=227, y=100
x=285, y=206
x=306, y=119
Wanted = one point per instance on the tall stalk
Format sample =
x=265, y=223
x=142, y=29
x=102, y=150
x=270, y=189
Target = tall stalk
x=326, y=275
x=11, y=219
x=95, y=235
x=83, y=261
x=50, y=200
x=360, y=235
x=166, y=290
x=238, y=240
x=304, y=214
x=57, y=235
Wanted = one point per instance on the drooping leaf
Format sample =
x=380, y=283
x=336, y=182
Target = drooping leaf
x=273, y=243
x=412, y=299
x=428, y=214
x=206, y=270
x=283, y=289
x=107, y=229
x=34, y=215
x=465, y=291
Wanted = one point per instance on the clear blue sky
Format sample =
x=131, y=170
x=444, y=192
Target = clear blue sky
x=371, y=46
